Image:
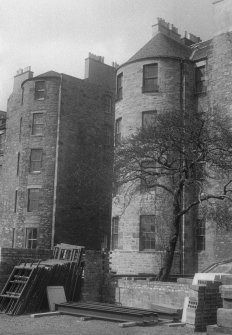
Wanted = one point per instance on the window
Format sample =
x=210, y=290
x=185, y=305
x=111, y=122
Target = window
x=13, y=238
x=31, y=238
x=108, y=104
x=36, y=160
x=150, y=78
x=118, y=126
x=39, y=90
x=22, y=96
x=148, y=233
x=20, y=128
x=115, y=221
x=16, y=200
x=38, y=124
x=108, y=134
x=148, y=169
x=2, y=138
x=200, y=234
x=148, y=118
x=119, y=86
x=200, y=81
x=18, y=163
x=33, y=199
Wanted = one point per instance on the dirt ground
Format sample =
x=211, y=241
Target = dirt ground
x=70, y=325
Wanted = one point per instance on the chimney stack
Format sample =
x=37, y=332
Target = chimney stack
x=167, y=29
x=21, y=75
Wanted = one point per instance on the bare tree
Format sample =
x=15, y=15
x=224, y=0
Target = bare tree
x=179, y=155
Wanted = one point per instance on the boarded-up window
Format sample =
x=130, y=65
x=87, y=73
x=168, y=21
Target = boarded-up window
x=36, y=160
x=148, y=118
x=150, y=78
x=33, y=199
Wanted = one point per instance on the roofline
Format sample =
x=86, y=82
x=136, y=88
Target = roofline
x=154, y=57
x=38, y=78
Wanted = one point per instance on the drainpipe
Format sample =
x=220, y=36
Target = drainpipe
x=182, y=109
x=56, y=162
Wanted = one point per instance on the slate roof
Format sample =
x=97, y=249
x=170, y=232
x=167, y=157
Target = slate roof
x=162, y=46
x=200, y=50
x=49, y=74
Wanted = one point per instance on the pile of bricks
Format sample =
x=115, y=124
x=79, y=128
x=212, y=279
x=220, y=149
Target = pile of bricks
x=203, y=305
x=224, y=315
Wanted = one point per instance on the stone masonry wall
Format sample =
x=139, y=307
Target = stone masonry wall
x=83, y=198
x=19, y=141
x=127, y=205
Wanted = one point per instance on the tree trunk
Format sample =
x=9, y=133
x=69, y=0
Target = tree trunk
x=168, y=259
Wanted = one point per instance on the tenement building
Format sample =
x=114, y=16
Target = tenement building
x=168, y=73
x=57, y=162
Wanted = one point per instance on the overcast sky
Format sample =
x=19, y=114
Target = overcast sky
x=58, y=34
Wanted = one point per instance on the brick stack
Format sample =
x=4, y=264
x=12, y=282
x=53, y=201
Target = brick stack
x=224, y=315
x=203, y=305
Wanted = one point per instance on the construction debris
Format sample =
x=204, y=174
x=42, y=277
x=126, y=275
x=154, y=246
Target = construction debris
x=224, y=315
x=108, y=312
x=202, y=308
x=25, y=290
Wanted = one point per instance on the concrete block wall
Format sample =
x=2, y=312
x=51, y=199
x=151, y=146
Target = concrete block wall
x=142, y=293
x=135, y=263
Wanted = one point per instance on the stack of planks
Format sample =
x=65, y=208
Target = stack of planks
x=25, y=290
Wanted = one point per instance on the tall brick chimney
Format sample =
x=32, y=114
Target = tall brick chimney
x=222, y=16
x=21, y=75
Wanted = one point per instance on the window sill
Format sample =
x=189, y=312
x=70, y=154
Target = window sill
x=35, y=172
x=203, y=93
x=39, y=99
x=150, y=92
x=149, y=251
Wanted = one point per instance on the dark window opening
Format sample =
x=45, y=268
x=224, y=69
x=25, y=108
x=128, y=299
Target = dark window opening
x=118, y=126
x=33, y=199
x=16, y=200
x=115, y=221
x=119, y=86
x=200, y=79
x=200, y=234
x=18, y=163
x=108, y=104
x=20, y=128
x=150, y=78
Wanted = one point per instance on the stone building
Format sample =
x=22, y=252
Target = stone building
x=168, y=73
x=59, y=138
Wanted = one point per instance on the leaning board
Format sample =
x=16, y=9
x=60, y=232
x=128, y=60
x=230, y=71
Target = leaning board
x=55, y=295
